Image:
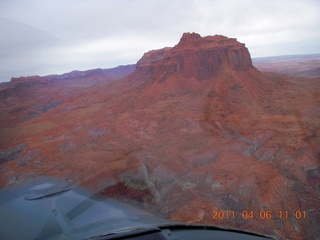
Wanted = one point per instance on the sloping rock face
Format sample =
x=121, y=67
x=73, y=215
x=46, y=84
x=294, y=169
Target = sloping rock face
x=178, y=137
x=26, y=98
x=197, y=57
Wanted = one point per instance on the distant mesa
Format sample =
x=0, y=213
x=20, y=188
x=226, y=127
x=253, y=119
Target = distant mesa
x=195, y=56
x=117, y=72
x=187, y=130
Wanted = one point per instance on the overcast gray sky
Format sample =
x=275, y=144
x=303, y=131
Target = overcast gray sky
x=41, y=37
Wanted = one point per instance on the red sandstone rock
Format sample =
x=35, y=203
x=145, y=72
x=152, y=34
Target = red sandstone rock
x=194, y=56
x=195, y=128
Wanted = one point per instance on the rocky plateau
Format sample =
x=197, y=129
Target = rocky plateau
x=187, y=131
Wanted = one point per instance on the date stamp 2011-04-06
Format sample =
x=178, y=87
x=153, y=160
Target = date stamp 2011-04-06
x=262, y=214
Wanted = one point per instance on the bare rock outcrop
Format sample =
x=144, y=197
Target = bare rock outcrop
x=194, y=130
x=195, y=56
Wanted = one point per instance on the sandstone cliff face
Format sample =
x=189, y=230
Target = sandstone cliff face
x=196, y=57
x=194, y=129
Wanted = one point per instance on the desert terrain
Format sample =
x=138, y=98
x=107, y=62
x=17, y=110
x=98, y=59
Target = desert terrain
x=307, y=65
x=188, y=131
